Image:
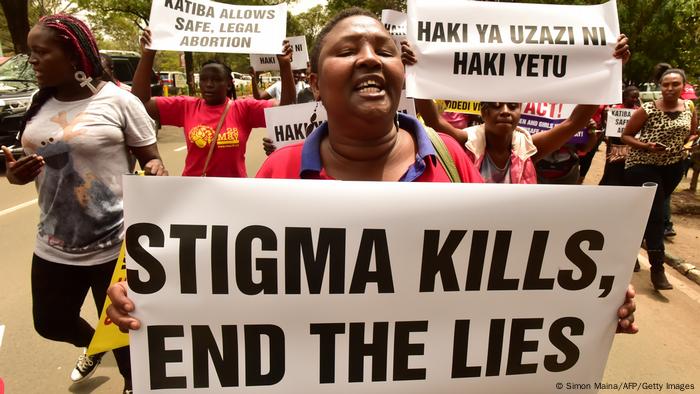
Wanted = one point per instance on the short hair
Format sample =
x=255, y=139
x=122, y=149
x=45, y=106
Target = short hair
x=346, y=13
x=229, y=73
x=673, y=71
x=628, y=90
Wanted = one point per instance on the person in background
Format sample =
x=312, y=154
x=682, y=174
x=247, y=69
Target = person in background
x=502, y=151
x=664, y=126
x=200, y=116
x=108, y=72
x=275, y=90
x=358, y=74
x=79, y=134
x=616, y=151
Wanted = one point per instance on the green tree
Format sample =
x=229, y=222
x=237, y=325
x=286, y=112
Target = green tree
x=17, y=18
x=375, y=6
x=311, y=22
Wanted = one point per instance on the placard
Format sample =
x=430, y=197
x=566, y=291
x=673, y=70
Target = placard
x=209, y=26
x=300, y=56
x=512, y=52
x=331, y=286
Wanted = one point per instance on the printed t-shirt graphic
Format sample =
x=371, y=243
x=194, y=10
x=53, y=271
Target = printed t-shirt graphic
x=199, y=121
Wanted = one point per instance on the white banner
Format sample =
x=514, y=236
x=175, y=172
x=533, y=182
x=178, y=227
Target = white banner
x=209, y=26
x=292, y=286
x=395, y=23
x=510, y=52
x=617, y=120
x=288, y=124
x=300, y=56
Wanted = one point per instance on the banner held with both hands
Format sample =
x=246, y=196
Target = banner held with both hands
x=511, y=52
x=329, y=286
x=209, y=26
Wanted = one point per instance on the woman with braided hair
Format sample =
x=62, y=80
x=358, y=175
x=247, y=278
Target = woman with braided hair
x=79, y=134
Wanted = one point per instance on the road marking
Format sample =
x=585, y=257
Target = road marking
x=18, y=207
x=180, y=148
x=678, y=284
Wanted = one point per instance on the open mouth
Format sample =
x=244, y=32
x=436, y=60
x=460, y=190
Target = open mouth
x=370, y=85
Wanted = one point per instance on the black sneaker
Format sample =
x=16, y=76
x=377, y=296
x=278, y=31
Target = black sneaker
x=669, y=232
x=127, y=387
x=85, y=366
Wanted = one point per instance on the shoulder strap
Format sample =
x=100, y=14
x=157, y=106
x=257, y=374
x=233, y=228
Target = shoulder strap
x=444, y=156
x=216, y=136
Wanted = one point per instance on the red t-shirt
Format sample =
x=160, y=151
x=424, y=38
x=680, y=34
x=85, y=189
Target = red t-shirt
x=199, y=121
x=302, y=160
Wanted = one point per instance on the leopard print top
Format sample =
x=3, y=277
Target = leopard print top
x=660, y=127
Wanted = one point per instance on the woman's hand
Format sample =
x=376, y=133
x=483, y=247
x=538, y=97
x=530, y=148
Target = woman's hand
x=622, y=50
x=24, y=170
x=121, y=306
x=407, y=56
x=155, y=167
x=145, y=41
x=626, y=324
x=654, y=147
x=286, y=56
x=253, y=74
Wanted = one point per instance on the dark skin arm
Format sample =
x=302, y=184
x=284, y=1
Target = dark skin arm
x=256, y=91
x=551, y=140
x=694, y=126
x=24, y=170
x=636, y=122
x=141, y=85
x=289, y=92
x=149, y=159
x=432, y=118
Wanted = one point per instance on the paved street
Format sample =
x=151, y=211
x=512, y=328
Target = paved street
x=665, y=351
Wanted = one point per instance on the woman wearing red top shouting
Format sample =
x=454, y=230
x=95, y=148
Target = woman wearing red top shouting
x=200, y=116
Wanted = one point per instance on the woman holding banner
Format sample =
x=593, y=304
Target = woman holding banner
x=357, y=73
x=504, y=153
x=616, y=151
x=79, y=134
x=216, y=127
x=664, y=126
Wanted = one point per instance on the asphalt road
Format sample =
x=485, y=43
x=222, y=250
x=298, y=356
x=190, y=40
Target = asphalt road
x=665, y=351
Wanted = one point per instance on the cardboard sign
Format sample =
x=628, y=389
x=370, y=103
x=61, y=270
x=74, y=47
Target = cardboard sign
x=293, y=123
x=336, y=287
x=617, y=120
x=395, y=24
x=288, y=124
x=300, y=56
x=511, y=52
x=209, y=26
